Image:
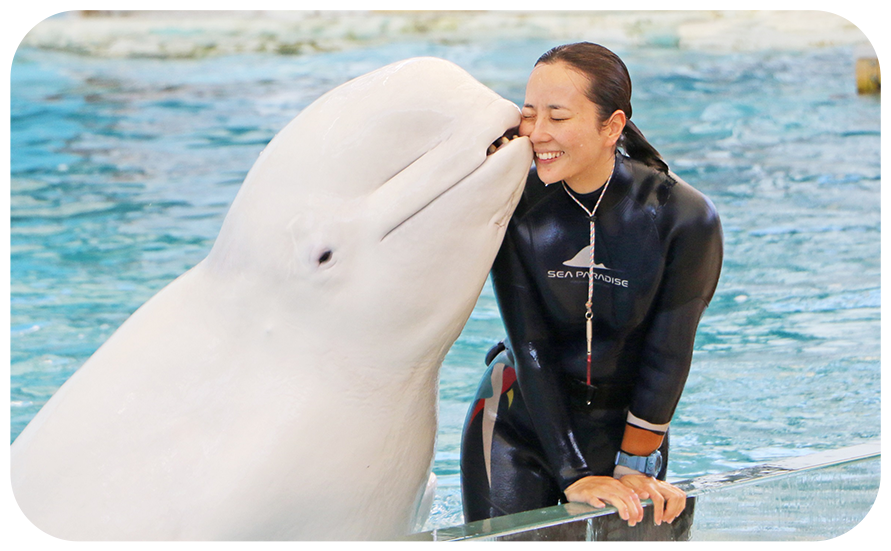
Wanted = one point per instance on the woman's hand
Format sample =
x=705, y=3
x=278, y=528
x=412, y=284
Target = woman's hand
x=597, y=491
x=668, y=500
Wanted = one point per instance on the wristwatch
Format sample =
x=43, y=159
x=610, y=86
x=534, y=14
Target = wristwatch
x=649, y=465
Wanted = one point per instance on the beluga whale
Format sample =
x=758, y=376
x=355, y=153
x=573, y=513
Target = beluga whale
x=285, y=387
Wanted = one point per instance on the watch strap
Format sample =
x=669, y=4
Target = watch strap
x=649, y=465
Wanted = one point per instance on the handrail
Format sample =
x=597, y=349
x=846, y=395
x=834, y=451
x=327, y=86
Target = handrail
x=581, y=515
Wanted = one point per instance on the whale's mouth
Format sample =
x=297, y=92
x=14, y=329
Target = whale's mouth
x=511, y=134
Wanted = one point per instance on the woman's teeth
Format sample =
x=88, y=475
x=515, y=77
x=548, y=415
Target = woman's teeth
x=547, y=156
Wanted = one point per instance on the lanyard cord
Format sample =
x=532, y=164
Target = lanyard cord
x=589, y=315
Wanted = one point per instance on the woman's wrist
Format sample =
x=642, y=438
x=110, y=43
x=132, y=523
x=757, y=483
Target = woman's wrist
x=622, y=470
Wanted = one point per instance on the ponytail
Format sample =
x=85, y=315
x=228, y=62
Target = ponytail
x=638, y=148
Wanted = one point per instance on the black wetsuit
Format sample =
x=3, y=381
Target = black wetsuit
x=530, y=432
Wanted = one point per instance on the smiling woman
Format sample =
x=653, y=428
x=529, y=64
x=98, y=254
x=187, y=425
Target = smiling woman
x=593, y=366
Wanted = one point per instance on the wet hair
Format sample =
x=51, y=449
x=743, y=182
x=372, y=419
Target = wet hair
x=609, y=90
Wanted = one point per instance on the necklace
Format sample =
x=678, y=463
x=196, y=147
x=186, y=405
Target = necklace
x=589, y=315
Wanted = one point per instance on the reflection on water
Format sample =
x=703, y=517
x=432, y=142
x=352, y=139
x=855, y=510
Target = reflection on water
x=123, y=169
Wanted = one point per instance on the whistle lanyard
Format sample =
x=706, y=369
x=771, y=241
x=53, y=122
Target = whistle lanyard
x=589, y=315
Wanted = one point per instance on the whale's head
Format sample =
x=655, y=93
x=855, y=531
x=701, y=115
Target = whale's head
x=377, y=212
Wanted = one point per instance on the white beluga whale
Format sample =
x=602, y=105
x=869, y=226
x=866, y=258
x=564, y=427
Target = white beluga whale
x=286, y=386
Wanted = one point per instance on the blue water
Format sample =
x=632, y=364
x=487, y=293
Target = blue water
x=123, y=169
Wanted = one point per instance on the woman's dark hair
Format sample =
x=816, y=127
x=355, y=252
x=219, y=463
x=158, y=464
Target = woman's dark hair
x=609, y=90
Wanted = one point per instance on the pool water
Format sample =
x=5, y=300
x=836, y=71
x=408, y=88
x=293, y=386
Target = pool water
x=123, y=169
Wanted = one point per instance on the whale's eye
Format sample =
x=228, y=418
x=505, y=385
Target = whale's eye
x=325, y=257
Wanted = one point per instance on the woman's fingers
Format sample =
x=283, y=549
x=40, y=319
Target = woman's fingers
x=646, y=489
x=598, y=490
x=658, y=506
x=594, y=502
x=668, y=501
x=676, y=504
x=628, y=506
x=673, y=499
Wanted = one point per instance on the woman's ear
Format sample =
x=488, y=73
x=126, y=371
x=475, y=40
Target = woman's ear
x=614, y=125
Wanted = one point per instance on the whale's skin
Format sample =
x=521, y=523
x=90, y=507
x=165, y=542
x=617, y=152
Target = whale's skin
x=286, y=386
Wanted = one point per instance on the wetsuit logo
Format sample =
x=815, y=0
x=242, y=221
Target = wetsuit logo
x=581, y=260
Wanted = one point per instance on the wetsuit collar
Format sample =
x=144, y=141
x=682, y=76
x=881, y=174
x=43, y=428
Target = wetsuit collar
x=620, y=182
x=620, y=185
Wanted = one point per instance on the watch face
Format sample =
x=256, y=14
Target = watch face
x=657, y=463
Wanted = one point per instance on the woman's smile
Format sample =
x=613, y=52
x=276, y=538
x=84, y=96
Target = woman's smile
x=548, y=155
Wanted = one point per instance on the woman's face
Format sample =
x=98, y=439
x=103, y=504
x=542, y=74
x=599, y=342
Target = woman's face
x=570, y=141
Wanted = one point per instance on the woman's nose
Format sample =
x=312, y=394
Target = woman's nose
x=535, y=130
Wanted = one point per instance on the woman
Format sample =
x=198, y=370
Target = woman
x=606, y=267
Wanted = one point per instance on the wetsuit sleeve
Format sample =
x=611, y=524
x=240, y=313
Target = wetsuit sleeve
x=539, y=382
x=692, y=266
